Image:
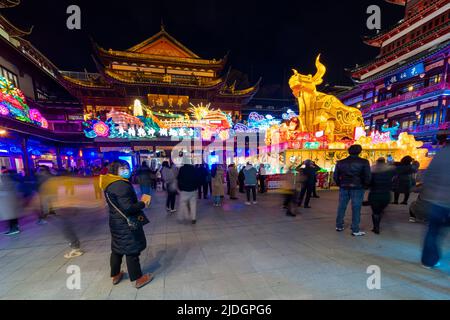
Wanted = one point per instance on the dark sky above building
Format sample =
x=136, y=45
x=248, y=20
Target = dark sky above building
x=265, y=38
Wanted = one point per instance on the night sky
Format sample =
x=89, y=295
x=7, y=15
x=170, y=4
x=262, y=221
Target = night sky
x=264, y=38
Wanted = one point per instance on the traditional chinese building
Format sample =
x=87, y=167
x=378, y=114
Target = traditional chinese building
x=40, y=121
x=160, y=72
x=407, y=84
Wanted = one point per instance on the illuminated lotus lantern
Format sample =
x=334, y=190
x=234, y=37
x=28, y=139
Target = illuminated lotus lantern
x=101, y=129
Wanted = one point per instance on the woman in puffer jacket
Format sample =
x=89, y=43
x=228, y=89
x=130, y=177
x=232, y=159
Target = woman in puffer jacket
x=120, y=194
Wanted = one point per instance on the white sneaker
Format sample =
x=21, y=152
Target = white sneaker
x=437, y=265
x=412, y=220
x=255, y=202
x=173, y=211
x=248, y=203
x=358, y=234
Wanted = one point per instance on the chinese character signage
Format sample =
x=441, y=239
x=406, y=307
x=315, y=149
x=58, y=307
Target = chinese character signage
x=406, y=74
x=169, y=102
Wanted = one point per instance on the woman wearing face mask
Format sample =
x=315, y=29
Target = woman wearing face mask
x=128, y=242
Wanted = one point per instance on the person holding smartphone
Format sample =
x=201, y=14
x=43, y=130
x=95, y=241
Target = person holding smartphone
x=125, y=241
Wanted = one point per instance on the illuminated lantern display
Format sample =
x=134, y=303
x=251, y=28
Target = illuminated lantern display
x=209, y=122
x=4, y=111
x=325, y=128
x=44, y=123
x=35, y=115
x=13, y=104
x=101, y=129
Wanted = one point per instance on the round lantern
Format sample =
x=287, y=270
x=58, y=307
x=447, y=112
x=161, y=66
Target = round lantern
x=101, y=129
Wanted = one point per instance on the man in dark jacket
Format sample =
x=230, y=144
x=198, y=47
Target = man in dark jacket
x=189, y=179
x=380, y=190
x=351, y=175
x=308, y=186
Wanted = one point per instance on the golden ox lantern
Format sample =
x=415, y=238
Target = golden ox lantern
x=323, y=112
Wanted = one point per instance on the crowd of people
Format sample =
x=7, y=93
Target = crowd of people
x=353, y=175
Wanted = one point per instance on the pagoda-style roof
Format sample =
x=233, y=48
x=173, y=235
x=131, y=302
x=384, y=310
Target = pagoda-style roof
x=230, y=91
x=417, y=44
x=163, y=44
x=9, y=3
x=160, y=49
x=11, y=29
x=407, y=63
x=159, y=62
x=378, y=39
x=157, y=80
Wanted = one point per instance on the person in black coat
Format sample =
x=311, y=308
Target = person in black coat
x=403, y=180
x=120, y=194
x=352, y=176
x=241, y=180
x=380, y=190
x=310, y=172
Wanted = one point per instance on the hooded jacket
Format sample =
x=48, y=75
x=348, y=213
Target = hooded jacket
x=250, y=174
x=121, y=193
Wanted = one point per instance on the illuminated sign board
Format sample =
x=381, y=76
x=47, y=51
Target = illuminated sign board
x=406, y=74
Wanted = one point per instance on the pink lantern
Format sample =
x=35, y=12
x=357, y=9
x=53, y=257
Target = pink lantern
x=35, y=115
x=101, y=129
x=4, y=111
x=44, y=123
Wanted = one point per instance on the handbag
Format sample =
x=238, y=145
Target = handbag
x=134, y=222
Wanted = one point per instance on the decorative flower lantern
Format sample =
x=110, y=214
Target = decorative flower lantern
x=101, y=129
x=44, y=123
x=4, y=111
x=35, y=115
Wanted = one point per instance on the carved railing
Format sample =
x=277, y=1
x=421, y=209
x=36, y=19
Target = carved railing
x=406, y=96
x=427, y=128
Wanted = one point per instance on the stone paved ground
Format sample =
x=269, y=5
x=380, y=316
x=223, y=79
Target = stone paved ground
x=234, y=252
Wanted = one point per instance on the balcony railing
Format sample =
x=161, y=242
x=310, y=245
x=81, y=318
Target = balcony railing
x=427, y=128
x=84, y=76
x=407, y=96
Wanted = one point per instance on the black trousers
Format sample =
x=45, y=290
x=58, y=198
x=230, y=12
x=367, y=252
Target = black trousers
x=397, y=196
x=308, y=190
x=289, y=202
x=262, y=184
x=133, y=265
x=66, y=222
x=13, y=224
x=203, y=187
x=253, y=190
x=171, y=197
x=315, y=191
x=378, y=202
x=241, y=187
